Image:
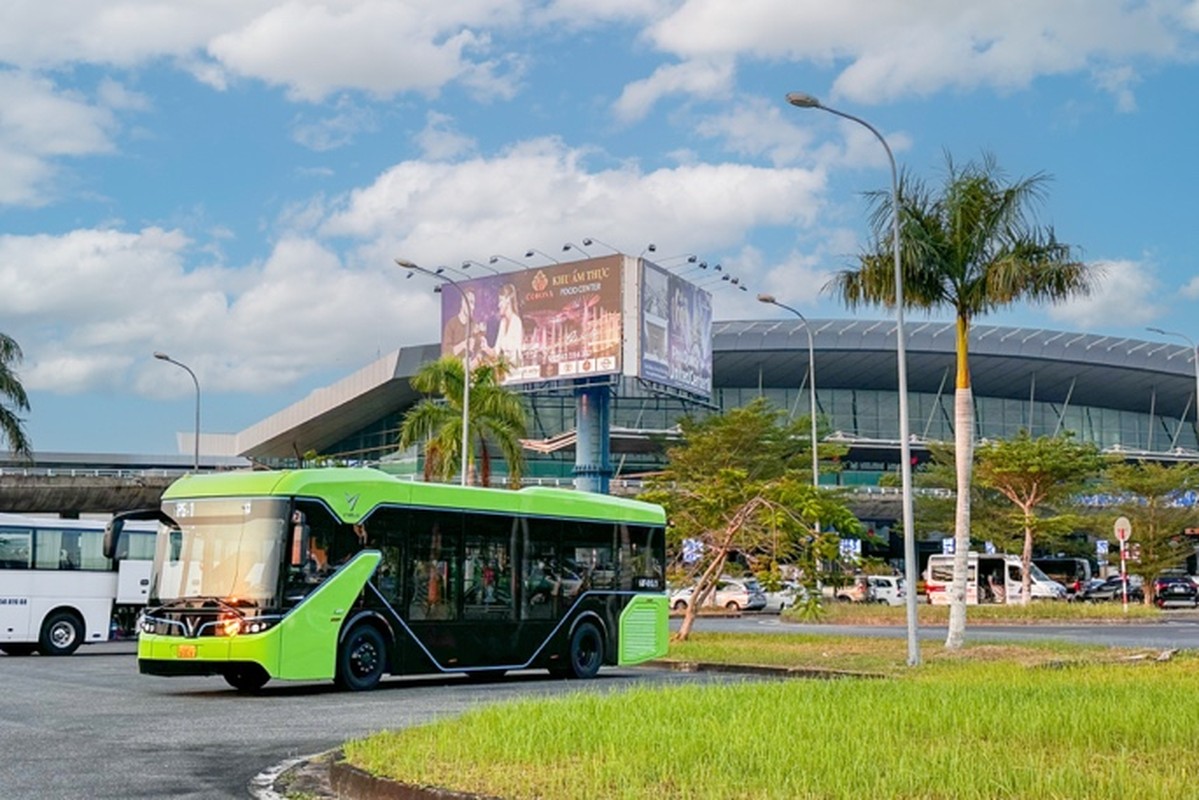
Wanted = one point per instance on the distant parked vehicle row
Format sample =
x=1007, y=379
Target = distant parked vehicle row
x=1111, y=588
x=733, y=594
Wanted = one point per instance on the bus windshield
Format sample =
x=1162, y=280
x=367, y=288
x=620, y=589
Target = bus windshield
x=222, y=549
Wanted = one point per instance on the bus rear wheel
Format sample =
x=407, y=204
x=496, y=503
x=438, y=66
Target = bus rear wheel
x=22, y=649
x=361, y=659
x=586, y=652
x=62, y=633
x=247, y=677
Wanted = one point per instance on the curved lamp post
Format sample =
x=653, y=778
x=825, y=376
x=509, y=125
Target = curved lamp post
x=470, y=313
x=802, y=100
x=770, y=300
x=164, y=357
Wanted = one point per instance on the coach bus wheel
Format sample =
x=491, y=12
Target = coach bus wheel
x=17, y=649
x=361, y=659
x=586, y=651
x=62, y=633
x=247, y=677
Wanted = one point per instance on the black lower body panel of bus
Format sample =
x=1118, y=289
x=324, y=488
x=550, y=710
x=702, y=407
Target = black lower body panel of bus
x=172, y=669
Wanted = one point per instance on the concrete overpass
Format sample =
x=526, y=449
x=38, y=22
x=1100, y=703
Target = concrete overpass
x=71, y=484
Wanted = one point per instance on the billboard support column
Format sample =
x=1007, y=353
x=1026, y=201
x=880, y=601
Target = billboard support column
x=593, y=424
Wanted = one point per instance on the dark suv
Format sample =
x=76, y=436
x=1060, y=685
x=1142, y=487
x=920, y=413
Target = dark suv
x=1112, y=588
x=1175, y=590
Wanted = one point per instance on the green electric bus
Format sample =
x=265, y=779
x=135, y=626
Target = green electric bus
x=349, y=574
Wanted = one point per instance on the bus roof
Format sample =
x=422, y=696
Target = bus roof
x=352, y=492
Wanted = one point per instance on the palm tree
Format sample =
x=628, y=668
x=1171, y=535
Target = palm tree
x=972, y=247
x=12, y=399
x=497, y=418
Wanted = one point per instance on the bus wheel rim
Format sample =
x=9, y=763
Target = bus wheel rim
x=365, y=658
x=62, y=634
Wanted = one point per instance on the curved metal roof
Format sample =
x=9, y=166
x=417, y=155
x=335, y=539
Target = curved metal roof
x=1018, y=363
x=1104, y=371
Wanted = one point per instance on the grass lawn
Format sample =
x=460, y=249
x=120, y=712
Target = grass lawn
x=993, y=721
x=1031, y=614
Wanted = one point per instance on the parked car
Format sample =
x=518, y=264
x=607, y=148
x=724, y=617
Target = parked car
x=789, y=595
x=888, y=589
x=1111, y=588
x=1175, y=590
x=860, y=591
x=734, y=594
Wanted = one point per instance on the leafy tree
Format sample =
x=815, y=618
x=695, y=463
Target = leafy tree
x=12, y=399
x=1039, y=477
x=496, y=419
x=732, y=485
x=1150, y=494
x=971, y=247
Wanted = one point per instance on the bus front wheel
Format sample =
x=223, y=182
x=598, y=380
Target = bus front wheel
x=247, y=677
x=62, y=633
x=586, y=651
x=361, y=659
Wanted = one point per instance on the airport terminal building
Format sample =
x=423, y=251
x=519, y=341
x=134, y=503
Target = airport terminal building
x=1129, y=396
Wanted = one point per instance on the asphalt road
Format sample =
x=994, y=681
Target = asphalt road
x=89, y=726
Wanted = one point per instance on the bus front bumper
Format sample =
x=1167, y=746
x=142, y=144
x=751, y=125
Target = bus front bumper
x=210, y=655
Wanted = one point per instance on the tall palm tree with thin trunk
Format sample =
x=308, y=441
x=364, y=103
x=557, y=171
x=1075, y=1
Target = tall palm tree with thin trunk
x=496, y=420
x=12, y=399
x=971, y=246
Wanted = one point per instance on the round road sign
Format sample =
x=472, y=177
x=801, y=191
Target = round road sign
x=1123, y=529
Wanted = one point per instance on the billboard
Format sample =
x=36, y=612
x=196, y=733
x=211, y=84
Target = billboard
x=676, y=331
x=557, y=322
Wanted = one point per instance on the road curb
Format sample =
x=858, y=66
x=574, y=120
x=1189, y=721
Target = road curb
x=762, y=670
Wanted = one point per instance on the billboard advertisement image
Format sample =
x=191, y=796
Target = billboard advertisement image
x=676, y=331
x=557, y=322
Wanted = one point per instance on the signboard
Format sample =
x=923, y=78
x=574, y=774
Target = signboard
x=548, y=323
x=676, y=331
x=851, y=549
x=1123, y=529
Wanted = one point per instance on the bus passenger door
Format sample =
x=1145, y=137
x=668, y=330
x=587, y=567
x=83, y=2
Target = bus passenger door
x=133, y=582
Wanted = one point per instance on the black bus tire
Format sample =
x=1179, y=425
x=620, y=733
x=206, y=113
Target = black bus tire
x=361, y=659
x=247, y=677
x=62, y=633
x=586, y=651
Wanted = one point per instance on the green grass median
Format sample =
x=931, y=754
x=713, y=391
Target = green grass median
x=993, y=721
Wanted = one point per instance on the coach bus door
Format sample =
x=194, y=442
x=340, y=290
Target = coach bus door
x=133, y=581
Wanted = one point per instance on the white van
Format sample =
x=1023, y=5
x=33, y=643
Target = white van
x=989, y=579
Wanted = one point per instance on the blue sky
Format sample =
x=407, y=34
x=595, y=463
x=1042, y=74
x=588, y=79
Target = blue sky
x=229, y=181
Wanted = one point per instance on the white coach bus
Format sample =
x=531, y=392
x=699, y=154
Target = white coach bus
x=58, y=591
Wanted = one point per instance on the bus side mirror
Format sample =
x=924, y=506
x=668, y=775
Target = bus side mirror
x=112, y=536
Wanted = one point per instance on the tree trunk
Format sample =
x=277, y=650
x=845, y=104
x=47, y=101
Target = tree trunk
x=1026, y=567
x=963, y=441
x=699, y=595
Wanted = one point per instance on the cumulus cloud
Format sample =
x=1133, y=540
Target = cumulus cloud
x=698, y=78
x=252, y=329
x=541, y=191
x=38, y=123
x=919, y=48
x=1126, y=292
x=440, y=141
x=335, y=130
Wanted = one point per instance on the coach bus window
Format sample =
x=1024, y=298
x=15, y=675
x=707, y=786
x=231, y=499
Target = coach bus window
x=541, y=568
x=487, y=568
x=434, y=554
x=15, y=549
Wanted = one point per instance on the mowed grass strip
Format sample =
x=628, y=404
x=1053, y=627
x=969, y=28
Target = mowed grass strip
x=994, y=722
x=1031, y=614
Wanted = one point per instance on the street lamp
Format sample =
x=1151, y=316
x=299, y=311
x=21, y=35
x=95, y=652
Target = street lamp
x=164, y=357
x=1195, y=352
x=802, y=100
x=770, y=299
x=470, y=316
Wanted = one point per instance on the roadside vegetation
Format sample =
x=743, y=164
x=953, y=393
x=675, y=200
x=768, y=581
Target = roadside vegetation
x=981, y=722
x=1037, y=612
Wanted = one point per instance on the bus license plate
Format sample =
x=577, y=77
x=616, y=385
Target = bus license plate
x=185, y=651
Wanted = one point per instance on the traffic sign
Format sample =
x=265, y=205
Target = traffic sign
x=1123, y=529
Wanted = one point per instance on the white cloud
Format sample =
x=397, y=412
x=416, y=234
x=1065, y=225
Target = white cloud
x=540, y=192
x=920, y=48
x=1125, y=292
x=1191, y=289
x=39, y=123
x=699, y=78
x=440, y=141
x=756, y=127
x=336, y=130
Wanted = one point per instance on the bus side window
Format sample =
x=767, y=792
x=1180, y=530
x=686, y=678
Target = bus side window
x=434, y=576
